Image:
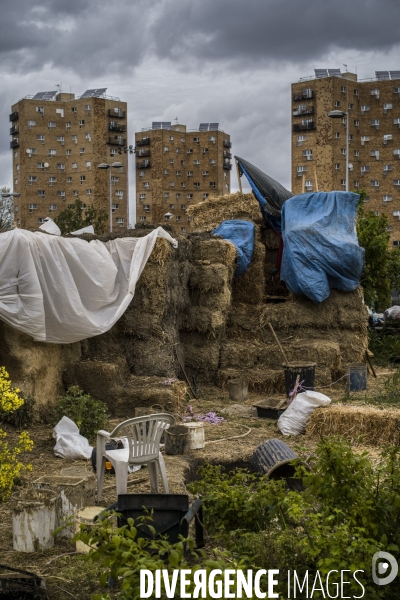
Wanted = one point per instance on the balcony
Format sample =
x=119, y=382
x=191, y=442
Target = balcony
x=310, y=125
x=227, y=154
x=227, y=144
x=144, y=152
x=117, y=141
x=143, y=142
x=303, y=96
x=119, y=114
x=307, y=111
x=14, y=143
x=115, y=127
x=227, y=166
x=145, y=164
x=14, y=116
x=14, y=129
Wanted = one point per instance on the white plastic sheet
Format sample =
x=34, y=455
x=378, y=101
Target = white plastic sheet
x=63, y=290
x=69, y=443
x=293, y=421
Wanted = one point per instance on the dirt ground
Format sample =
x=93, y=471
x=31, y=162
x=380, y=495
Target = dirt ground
x=67, y=574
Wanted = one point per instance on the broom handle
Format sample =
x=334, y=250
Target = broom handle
x=279, y=344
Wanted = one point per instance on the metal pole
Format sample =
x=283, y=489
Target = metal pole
x=347, y=151
x=110, y=201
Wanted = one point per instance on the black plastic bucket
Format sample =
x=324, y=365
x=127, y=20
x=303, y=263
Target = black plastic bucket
x=273, y=458
x=306, y=371
x=176, y=439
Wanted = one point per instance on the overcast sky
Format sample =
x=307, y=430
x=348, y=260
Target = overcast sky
x=230, y=61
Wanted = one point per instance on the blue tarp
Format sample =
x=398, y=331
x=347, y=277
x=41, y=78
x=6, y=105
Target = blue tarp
x=241, y=234
x=321, y=249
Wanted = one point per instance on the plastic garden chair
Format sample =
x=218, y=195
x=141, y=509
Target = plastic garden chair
x=143, y=435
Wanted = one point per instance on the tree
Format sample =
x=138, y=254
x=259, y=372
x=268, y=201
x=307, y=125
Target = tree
x=76, y=217
x=382, y=264
x=6, y=209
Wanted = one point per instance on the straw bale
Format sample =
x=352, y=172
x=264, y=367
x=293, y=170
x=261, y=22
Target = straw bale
x=274, y=286
x=161, y=252
x=378, y=427
x=244, y=321
x=204, y=320
x=266, y=381
x=209, y=214
x=215, y=250
x=153, y=356
x=213, y=300
x=250, y=287
x=212, y=277
x=270, y=239
x=201, y=356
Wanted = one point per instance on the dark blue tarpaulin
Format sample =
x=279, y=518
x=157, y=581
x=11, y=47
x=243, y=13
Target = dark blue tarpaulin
x=241, y=234
x=321, y=248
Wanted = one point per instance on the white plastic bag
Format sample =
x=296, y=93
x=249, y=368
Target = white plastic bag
x=293, y=421
x=69, y=443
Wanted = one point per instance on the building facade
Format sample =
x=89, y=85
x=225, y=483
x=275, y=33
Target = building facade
x=319, y=141
x=57, y=143
x=176, y=168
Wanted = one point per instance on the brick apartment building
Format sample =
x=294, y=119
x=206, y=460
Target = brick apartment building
x=319, y=142
x=176, y=168
x=57, y=143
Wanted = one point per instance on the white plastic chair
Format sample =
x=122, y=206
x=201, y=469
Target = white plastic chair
x=143, y=435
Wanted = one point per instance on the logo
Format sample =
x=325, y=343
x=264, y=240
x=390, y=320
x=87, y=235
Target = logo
x=384, y=568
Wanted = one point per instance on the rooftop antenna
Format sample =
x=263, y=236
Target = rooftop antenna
x=176, y=119
x=345, y=66
x=59, y=85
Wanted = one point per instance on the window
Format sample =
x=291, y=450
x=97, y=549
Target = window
x=190, y=196
x=142, y=218
x=178, y=196
x=81, y=151
x=374, y=123
x=307, y=93
x=178, y=218
x=33, y=207
x=183, y=184
x=177, y=150
x=87, y=106
x=89, y=164
x=32, y=179
x=343, y=151
x=183, y=229
x=146, y=185
x=74, y=138
x=119, y=221
x=343, y=89
x=386, y=107
x=17, y=167
x=171, y=138
x=212, y=161
x=343, y=182
x=183, y=206
x=52, y=180
x=375, y=153
x=119, y=193
x=196, y=162
x=356, y=153
x=88, y=136
x=61, y=166
x=307, y=154
x=205, y=173
x=15, y=155
x=40, y=165
x=189, y=151
x=89, y=191
x=40, y=110
x=61, y=193
x=205, y=196
x=387, y=198
x=300, y=139
x=177, y=173
x=41, y=193
x=172, y=206
x=337, y=135
x=204, y=150
x=387, y=168
x=364, y=138
x=166, y=172
x=356, y=93
x=375, y=92
x=196, y=140
x=396, y=182
x=69, y=180
x=350, y=137
x=190, y=173
x=365, y=108
x=301, y=170
x=356, y=183
x=196, y=184
x=375, y=183
x=212, y=139
x=171, y=184
x=142, y=197
x=52, y=152
x=67, y=124
x=356, y=123
x=308, y=185
x=83, y=178
x=351, y=106
x=41, y=220
x=75, y=193
x=166, y=148
x=73, y=109
x=114, y=179
x=213, y=184
x=171, y=161
x=365, y=169
x=182, y=163
x=396, y=152
x=51, y=124
x=52, y=207
x=337, y=103
x=31, y=124
x=74, y=165
x=30, y=151
x=81, y=122
x=387, y=138
x=337, y=166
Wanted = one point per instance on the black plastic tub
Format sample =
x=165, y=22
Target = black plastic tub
x=306, y=372
x=271, y=408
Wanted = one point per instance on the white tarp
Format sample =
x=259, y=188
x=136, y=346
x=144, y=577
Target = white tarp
x=63, y=290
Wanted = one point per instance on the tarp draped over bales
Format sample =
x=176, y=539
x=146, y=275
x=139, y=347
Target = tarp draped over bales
x=64, y=290
x=241, y=235
x=321, y=249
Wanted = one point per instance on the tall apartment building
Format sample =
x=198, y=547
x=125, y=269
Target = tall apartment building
x=319, y=141
x=58, y=141
x=176, y=168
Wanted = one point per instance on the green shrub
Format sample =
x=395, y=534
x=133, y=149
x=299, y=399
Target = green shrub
x=22, y=417
x=89, y=414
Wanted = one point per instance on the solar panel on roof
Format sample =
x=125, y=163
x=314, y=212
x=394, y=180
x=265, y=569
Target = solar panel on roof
x=334, y=73
x=214, y=126
x=203, y=127
x=44, y=95
x=166, y=124
x=394, y=74
x=319, y=73
x=156, y=125
x=94, y=93
x=382, y=75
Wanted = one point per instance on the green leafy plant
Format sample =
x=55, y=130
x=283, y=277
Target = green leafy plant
x=89, y=414
x=75, y=217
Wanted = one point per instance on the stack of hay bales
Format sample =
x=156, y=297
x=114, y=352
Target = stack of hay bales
x=214, y=263
x=207, y=215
